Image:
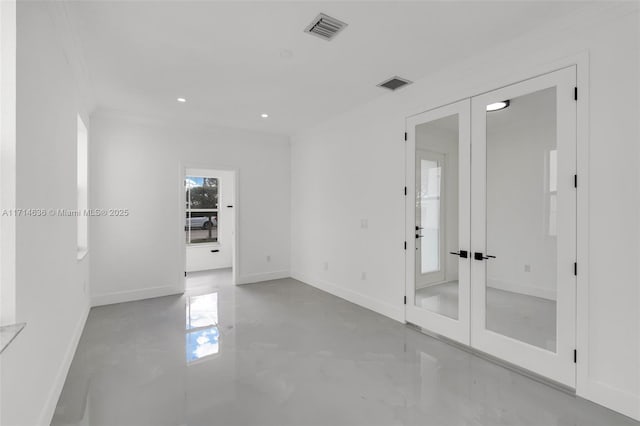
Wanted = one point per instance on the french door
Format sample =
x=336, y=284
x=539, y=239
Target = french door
x=438, y=233
x=517, y=283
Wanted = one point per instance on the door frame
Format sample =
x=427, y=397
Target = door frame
x=182, y=174
x=585, y=386
x=455, y=329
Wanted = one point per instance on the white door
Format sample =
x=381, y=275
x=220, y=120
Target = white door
x=438, y=218
x=523, y=224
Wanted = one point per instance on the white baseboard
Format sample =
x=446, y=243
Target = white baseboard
x=544, y=293
x=263, y=276
x=132, y=295
x=383, y=308
x=615, y=399
x=49, y=409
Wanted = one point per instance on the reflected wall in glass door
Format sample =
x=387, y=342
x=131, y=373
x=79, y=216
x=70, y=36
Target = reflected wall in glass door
x=436, y=271
x=521, y=281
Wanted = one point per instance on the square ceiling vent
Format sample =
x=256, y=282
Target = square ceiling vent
x=394, y=83
x=325, y=27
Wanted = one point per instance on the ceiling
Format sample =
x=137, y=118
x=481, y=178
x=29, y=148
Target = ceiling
x=233, y=61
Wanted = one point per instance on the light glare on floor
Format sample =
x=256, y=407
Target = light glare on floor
x=181, y=100
x=264, y=115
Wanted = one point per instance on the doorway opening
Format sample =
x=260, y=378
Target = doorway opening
x=209, y=215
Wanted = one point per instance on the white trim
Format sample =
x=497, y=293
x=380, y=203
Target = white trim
x=132, y=295
x=81, y=253
x=611, y=397
x=46, y=415
x=261, y=276
x=583, y=131
x=386, y=309
x=593, y=390
x=8, y=160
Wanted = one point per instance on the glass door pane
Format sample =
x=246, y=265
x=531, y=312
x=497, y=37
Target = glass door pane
x=521, y=280
x=437, y=216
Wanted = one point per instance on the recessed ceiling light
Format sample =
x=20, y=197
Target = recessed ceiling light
x=181, y=100
x=264, y=115
x=497, y=106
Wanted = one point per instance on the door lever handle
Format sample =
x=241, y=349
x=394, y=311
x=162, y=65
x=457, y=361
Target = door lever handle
x=481, y=256
x=461, y=253
x=419, y=228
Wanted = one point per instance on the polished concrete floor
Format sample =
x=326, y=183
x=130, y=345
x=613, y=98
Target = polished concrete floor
x=526, y=318
x=283, y=353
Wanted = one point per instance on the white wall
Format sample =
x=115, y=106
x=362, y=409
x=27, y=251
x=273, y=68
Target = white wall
x=51, y=282
x=352, y=167
x=142, y=255
x=199, y=256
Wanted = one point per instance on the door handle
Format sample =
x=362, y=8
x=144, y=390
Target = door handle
x=461, y=253
x=418, y=236
x=481, y=256
x=419, y=228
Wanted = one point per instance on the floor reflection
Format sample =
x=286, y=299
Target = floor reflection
x=202, y=311
x=202, y=337
x=202, y=343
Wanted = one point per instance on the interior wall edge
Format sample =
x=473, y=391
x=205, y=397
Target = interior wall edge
x=133, y=295
x=610, y=397
x=262, y=276
x=46, y=414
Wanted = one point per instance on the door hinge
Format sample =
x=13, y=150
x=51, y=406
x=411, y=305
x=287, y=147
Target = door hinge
x=575, y=181
x=575, y=268
x=405, y=245
x=405, y=300
x=405, y=190
x=575, y=93
x=405, y=136
x=575, y=355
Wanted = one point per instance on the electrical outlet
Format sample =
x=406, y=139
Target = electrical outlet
x=325, y=266
x=527, y=268
x=364, y=223
x=268, y=258
x=363, y=277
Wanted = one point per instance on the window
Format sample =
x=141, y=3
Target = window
x=201, y=213
x=82, y=176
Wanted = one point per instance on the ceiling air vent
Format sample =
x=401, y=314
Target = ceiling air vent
x=325, y=27
x=394, y=83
